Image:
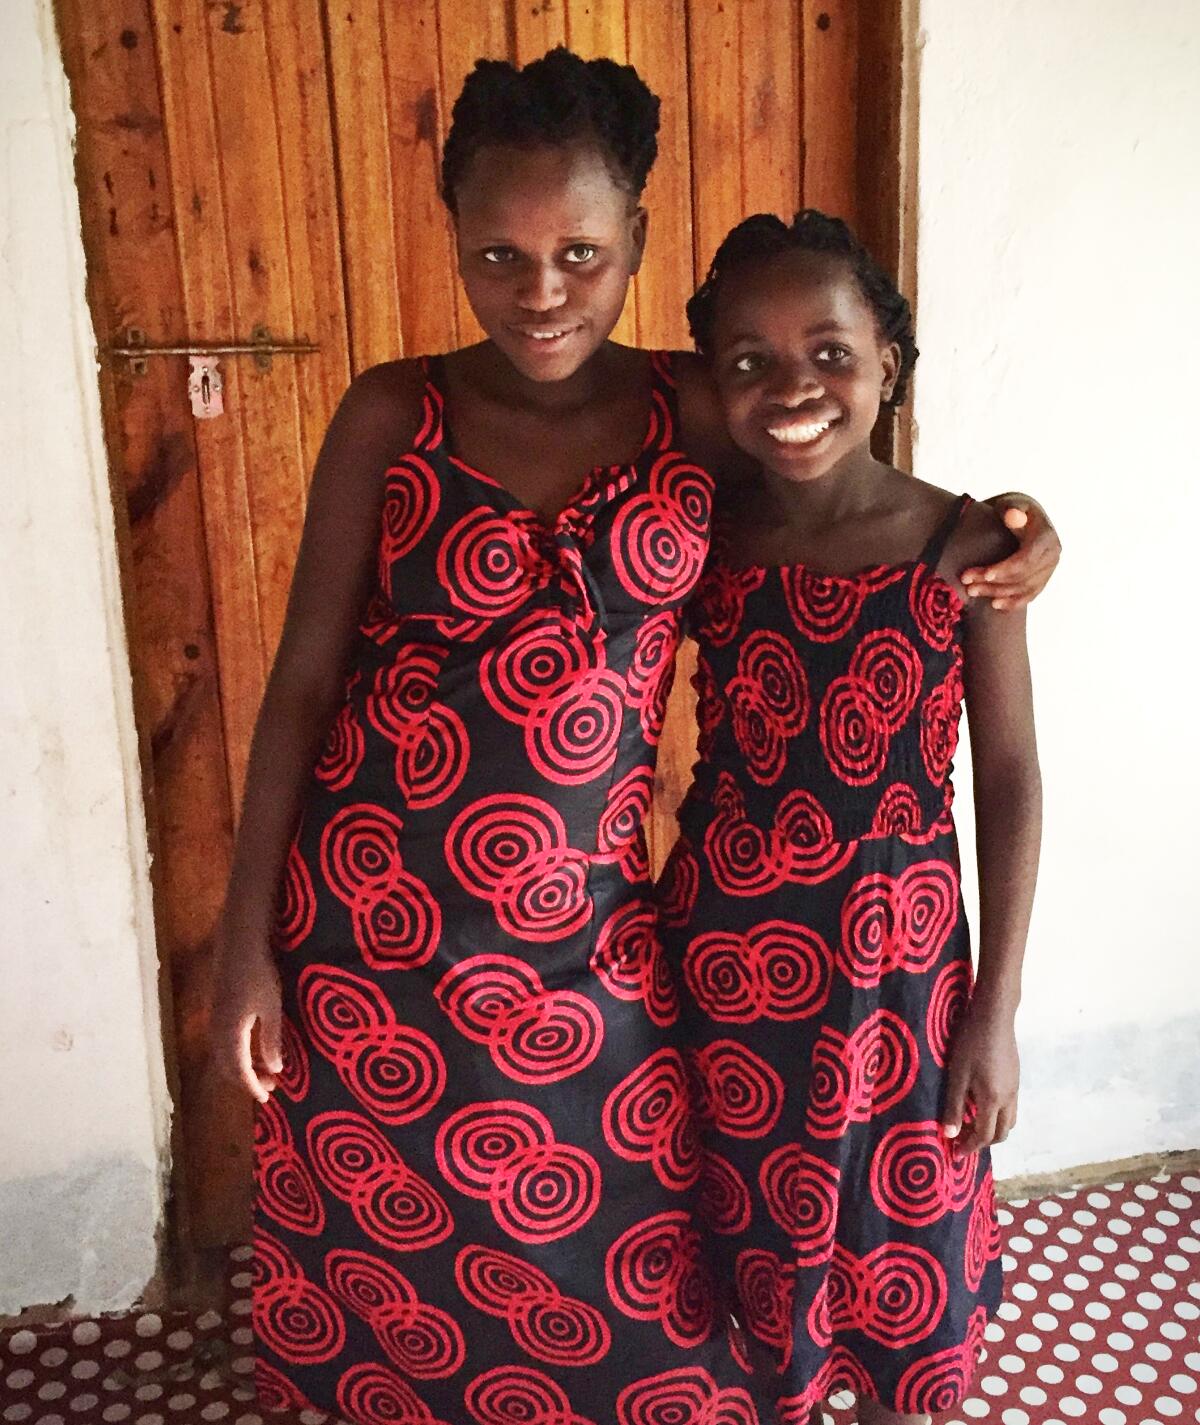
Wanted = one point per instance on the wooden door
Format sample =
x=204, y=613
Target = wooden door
x=274, y=163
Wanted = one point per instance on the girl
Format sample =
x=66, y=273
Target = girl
x=850, y=1078
x=473, y=1153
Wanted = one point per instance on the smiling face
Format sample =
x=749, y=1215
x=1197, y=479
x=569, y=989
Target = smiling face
x=800, y=362
x=547, y=243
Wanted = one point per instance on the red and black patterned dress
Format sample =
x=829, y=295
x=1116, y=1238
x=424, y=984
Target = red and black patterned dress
x=474, y=1180
x=812, y=910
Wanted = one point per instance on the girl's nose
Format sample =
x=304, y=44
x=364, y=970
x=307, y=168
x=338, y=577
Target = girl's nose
x=542, y=289
x=794, y=384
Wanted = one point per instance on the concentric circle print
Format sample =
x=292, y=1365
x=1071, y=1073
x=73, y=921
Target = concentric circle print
x=546, y=1192
x=488, y=564
x=947, y=1002
x=800, y=1191
x=294, y=1316
x=887, y=664
x=854, y=732
x=647, y=1119
x=823, y=608
x=742, y=1095
x=572, y=736
x=687, y=1395
x=659, y=538
x=296, y=903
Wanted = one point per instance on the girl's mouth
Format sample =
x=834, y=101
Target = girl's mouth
x=800, y=433
x=547, y=338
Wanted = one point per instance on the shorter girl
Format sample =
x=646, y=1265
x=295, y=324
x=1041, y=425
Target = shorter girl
x=850, y=1076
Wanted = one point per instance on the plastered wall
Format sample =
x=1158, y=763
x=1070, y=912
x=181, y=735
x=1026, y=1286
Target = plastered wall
x=84, y=1111
x=1058, y=318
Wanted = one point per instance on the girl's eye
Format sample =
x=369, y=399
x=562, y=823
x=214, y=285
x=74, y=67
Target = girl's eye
x=498, y=255
x=748, y=363
x=833, y=353
x=579, y=253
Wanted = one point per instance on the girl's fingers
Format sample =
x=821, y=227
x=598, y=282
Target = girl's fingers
x=980, y=1131
x=1003, y=595
x=1006, y=1121
x=245, y=1062
x=956, y=1102
x=270, y=1039
x=1026, y=566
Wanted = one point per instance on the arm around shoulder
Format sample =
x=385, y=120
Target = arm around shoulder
x=1021, y=577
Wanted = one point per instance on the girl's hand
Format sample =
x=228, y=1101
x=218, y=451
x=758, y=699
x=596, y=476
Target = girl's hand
x=982, y=1080
x=246, y=1029
x=1013, y=582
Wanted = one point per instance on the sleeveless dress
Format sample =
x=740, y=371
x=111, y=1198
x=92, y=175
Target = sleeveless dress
x=474, y=1179
x=812, y=911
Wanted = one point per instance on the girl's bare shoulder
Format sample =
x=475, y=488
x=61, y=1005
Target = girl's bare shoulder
x=387, y=397
x=705, y=436
x=980, y=538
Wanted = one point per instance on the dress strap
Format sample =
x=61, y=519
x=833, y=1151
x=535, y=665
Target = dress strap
x=663, y=433
x=931, y=555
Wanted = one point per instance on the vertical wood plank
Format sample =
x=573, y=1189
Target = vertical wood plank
x=249, y=126
x=297, y=61
x=771, y=115
x=878, y=115
x=538, y=25
x=829, y=31
x=360, y=100
x=468, y=30
x=714, y=88
x=198, y=201
x=596, y=29
x=658, y=51
x=424, y=251
x=879, y=118
x=134, y=280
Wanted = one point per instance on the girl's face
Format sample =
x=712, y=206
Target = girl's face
x=800, y=363
x=547, y=243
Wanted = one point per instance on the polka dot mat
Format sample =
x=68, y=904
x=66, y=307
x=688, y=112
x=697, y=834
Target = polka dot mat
x=1100, y=1324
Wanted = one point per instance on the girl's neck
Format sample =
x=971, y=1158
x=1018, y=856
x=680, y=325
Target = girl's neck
x=855, y=486
x=496, y=379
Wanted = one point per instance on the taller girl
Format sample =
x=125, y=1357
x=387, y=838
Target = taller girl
x=474, y=1156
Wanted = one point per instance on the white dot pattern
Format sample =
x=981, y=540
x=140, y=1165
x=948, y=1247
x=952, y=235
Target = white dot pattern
x=1100, y=1322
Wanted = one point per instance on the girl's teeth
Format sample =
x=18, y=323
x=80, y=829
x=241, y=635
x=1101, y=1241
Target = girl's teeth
x=546, y=336
x=799, y=435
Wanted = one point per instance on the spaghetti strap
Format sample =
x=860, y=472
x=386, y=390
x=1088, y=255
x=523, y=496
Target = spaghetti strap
x=931, y=555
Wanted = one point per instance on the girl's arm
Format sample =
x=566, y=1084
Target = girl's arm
x=1013, y=582
x=983, y=1068
x=373, y=424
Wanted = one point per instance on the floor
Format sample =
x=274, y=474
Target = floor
x=1100, y=1323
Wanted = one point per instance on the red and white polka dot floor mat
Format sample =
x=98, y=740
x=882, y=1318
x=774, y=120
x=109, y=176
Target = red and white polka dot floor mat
x=1100, y=1324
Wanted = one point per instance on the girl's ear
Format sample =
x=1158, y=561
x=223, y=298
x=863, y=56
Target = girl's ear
x=890, y=359
x=640, y=221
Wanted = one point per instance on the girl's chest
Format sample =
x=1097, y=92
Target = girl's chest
x=459, y=547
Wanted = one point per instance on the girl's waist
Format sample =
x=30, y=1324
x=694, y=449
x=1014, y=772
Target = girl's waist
x=903, y=802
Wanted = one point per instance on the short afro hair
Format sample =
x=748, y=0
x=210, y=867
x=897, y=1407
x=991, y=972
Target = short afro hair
x=557, y=100
x=764, y=236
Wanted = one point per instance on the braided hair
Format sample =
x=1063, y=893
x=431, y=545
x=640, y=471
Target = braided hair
x=764, y=236
x=558, y=99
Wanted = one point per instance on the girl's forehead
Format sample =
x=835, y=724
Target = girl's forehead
x=522, y=187
x=792, y=285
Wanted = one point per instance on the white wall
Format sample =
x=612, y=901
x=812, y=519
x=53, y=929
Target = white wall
x=84, y=1112
x=1059, y=320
